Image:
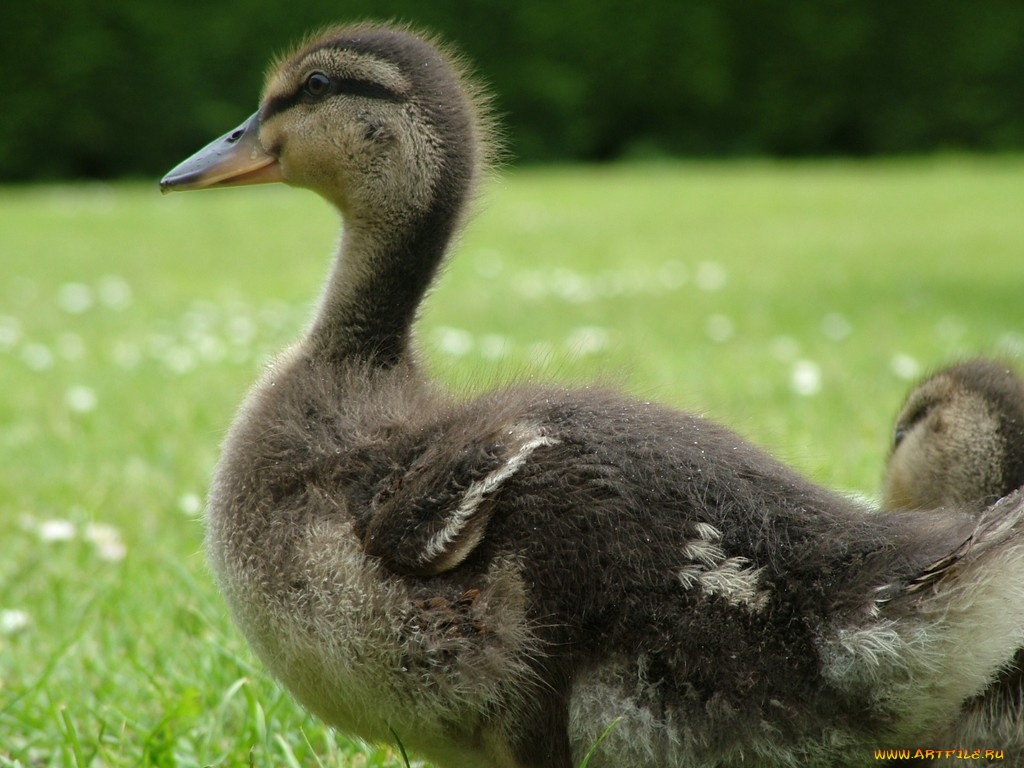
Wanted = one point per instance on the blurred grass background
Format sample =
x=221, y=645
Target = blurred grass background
x=794, y=301
x=106, y=90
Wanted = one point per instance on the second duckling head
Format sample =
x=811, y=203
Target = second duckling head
x=959, y=439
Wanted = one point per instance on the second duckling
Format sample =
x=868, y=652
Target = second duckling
x=959, y=439
x=959, y=443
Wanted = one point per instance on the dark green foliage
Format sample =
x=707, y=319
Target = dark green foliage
x=107, y=89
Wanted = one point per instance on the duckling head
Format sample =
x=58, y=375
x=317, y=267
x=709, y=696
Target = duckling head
x=959, y=439
x=375, y=119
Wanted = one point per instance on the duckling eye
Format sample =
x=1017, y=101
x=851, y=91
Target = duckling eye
x=897, y=437
x=317, y=85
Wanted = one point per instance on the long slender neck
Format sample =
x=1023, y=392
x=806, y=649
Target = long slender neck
x=383, y=269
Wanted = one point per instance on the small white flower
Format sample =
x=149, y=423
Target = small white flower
x=38, y=357
x=571, y=286
x=190, y=504
x=719, y=328
x=1012, y=344
x=784, y=348
x=711, y=276
x=950, y=329
x=672, y=275
x=107, y=540
x=81, y=399
x=10, y=332
x=587, y=340
x=835, y=326
x=806, y=378
x=74, y=298
x=114, y=292
x=905, y=367
x=210, y=348
x=56, y=530
x=454, y=341
x=531, y=285
x=13, y=620
x=179, y=359
x=241, y=330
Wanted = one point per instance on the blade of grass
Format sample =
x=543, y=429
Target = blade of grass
x=401, y=747
x=602, y=737
x=71, y=736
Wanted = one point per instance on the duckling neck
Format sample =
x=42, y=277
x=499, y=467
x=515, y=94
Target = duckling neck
x=379, y=278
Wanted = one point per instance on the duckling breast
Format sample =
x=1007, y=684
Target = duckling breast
x=412, y=656
x=370, y=651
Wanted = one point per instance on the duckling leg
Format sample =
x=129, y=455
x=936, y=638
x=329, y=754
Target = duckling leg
x=542, y=739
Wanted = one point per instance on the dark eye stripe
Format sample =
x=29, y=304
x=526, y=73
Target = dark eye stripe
x=367, y=88
x=344, y=86
x=918, y=415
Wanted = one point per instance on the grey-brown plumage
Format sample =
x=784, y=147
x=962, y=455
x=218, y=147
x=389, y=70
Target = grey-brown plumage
x=497, y=579
x=959, y=443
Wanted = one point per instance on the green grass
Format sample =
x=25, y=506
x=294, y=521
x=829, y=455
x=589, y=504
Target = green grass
x=131, y=325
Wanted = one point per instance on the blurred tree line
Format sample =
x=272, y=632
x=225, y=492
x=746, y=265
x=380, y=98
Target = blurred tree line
x=99, y=89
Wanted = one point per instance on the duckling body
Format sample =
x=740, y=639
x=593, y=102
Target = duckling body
x=497, y=579
x=959, y=443
x=617, y=578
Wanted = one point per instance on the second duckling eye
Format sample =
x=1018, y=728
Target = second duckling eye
x=317, y=85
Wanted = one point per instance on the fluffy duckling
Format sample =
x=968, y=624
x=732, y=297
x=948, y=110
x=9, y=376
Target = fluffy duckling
x=959, y=439
x=498, y=579
x=959, y=443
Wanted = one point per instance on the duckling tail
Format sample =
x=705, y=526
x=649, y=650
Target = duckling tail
x=931, y=640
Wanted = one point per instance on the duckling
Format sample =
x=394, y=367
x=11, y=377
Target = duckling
x=959, y=439
x=497, y=579
x=959, y=443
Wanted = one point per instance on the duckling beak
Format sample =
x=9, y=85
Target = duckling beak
x=234, y=159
